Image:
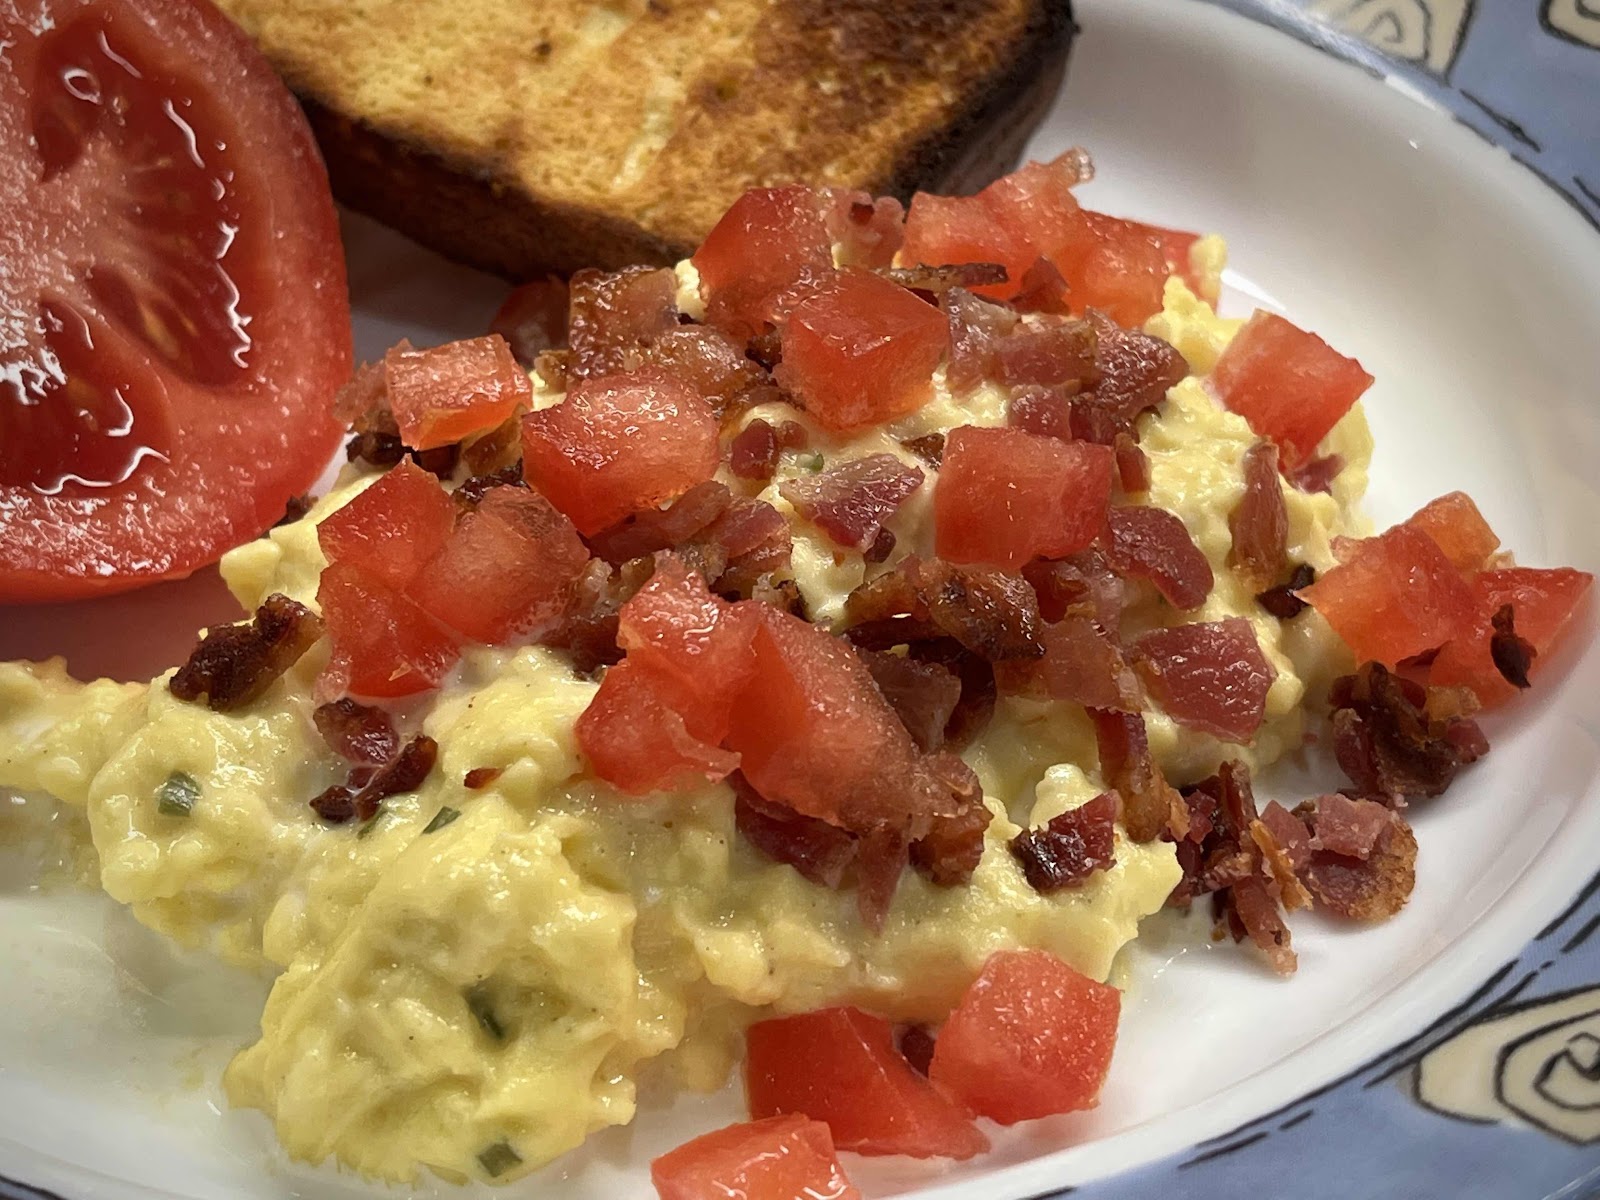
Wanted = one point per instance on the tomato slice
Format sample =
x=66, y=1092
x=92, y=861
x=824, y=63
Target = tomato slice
x=389, y=530
x=1543, y=603
x=1030, y=1038
x=769, y=238
x=445, y=393
x=173, y=315
x=1454, y=522
x=636, y=741
x=839, y=1065
x=781, y=1158
x=381, y=643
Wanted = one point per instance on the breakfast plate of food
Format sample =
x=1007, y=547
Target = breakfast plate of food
x=610, y=600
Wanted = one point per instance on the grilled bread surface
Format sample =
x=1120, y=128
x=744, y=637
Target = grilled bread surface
x=523, y=136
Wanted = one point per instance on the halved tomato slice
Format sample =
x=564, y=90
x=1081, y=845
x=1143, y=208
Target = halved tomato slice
x=173, y=316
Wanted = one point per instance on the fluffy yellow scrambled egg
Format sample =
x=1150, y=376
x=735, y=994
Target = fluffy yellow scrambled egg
x=477, y=996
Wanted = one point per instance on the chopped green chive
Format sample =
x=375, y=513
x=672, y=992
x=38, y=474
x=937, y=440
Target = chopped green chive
x=441, y=818
x=810, y=462
x=482, y=1007
x=176, y=797
x=498, y=1159
x=377, y=819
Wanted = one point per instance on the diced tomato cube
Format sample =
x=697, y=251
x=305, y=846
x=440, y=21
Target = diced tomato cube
x=1290, y=385
x=533, y=318
x=695, y=644
x=383, y=645
x=1006, y=496
x=860, y=350
x=963, y=229
x=1543, y=603
x=443, y=394
x=1396, y=596
x=1113, y=265
x=1454, y=522
x=840, y=1066
x=781, y=1158
x=1030, y=1038
x=506, y=572
x=619, y=444
x=392, y=527
x=770, y=238
x=635, y=741
x=1175, y=245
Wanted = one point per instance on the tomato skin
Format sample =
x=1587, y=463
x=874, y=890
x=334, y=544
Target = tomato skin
x=1031, y=1037
x=861, y=350
x=445, y=393
x=1290, y=385
x=767, y=240
x=389, y=530
x=506, y=571
x=618, y=444
x=1394, y=597
x=1175, y=245
x=1455, y=524
x=840, y=1066
x=236, y=437
x=1544, y=602
x=1006, y=496
x=382, y=645
x=636, y=741
x=781, y=1158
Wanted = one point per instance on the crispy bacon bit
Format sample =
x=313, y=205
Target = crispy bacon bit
x=439, y=461
x=1260, y=521
x=1056, y=356
x=295, y=509
x=1149, y=804
x=376, y=448
x=1133, y=467
x=336, y=805
x=1290, y=833
x=753, y=453
x=479, y=778
x=646, y=532
x=1072, y=847
x=1153, y=544
x=1317, y=474
x=916, y=1047
x=496, y=450
x=1370, y=889
x=941, y=279
x=881, y=857
x=867, y=230
x=1393, y=737
x=851, y=500
x=614, y=318
x=365, y=790
x=1283, y=601
x=1210, y=676
x=1251, y=911
x=821, y=852
x=1346, y=827
x=929, y=448
x=993, y=613
x=1081, y=665
x=1513, y=656
x=234, y=664
x=1283, y=884
x=1085, y=577
x=975, y=326
x=364, y=399
x=714, y=365
x=1042, y=289
x=950, y=851
x=589, y=631
x=755, y=541
x=923, y=695
x=882, y=547
x=533, y=319
x=357, y=732
x=1046, y=411
x=1135, y=371
x=471, y=493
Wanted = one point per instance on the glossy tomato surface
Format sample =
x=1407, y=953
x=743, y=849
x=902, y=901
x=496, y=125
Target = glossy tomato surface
x=173, y=315
x=781, y=1158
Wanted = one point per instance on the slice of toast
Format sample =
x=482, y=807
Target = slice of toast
x=524, y=136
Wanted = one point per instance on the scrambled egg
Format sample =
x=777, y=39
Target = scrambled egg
x=477, y=995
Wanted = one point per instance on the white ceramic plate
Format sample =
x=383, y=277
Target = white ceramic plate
x=1463, y=284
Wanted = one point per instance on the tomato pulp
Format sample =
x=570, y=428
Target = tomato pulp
x=173, y=315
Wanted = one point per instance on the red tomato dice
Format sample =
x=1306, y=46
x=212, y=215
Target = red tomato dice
x=1396, y=596
x=1113, y=265
x=1290, y=385
x=619, y=444
x=635, y=741
x=445, y=393
x=963, y=229
x=1454, y=522
x=390, y=529
x=770, y=238
x=860, y=350
x=781, y=1158
x=840, y=1066
x=1030, y=1038
x=696, y=645
x=382, y=645
x=1543, y=604
x=1006, y=496
x=506, y=572
x=1175, y=245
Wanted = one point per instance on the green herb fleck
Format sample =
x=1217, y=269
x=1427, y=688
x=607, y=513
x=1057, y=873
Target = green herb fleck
x=377, y=819
x=482, y=1007
x=176, y=797
x=498, y=1159
x=810, y=462
x=441, y=818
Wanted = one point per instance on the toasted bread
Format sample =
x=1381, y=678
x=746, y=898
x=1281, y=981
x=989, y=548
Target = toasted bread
x=524, y=136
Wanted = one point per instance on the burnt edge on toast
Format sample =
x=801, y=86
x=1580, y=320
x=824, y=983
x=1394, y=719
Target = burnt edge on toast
x=456, y=210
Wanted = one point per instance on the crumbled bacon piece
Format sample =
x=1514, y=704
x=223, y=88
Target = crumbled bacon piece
x=753, y=453
x=613, y=318
x=1135, y=371
x=714, y=365
x=495, y=450
x=1046, y=411
x=1153, y=544
x=1055, y=356
x=533, y=319
x=438, y=461
x=1512, y=655
x=881, y=857
x=993, y=613
x=821, y=852
x=653, y=529
x=867, y=230
x=479, y=778
x=1317, y=474
x=929, y=448
x=1043, y=289
x=950, y=851
x=1260, y=521
x=1371, y=889
x=234, y=664
x=1081, y=665
x=1344, y=826
x=850, y=501
x=975, y=326
x=360, y=733
x=941, y=279
x=1133, y=466
x=755, y=541
x=1283, y=884
x=1210, y=676
x=1392, y=738
x=1149, y=804
x=882, y=547
x=1072, y=847
x=471, y=493
x=588, y=633
x=295, y=509
x=1252, y=912
x=1283, y=601
x=1086, y=577
x=365, y=791
x=375, y=448
x=916, y=1047
x=924, y=695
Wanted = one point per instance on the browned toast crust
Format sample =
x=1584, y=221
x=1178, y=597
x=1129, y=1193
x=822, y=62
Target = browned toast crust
x=885, y=95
